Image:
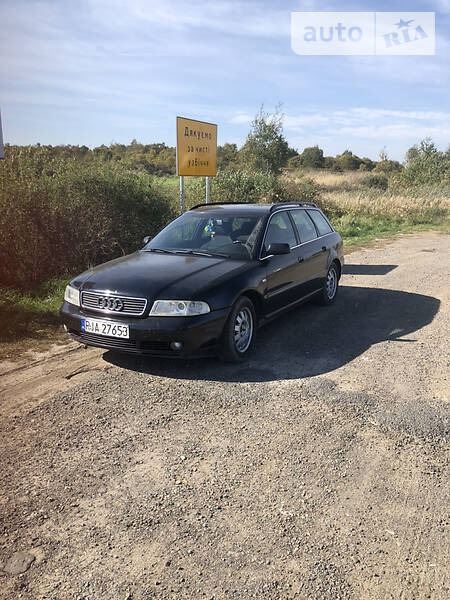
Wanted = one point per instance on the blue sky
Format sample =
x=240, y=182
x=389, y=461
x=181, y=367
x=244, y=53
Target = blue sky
x=101, y=71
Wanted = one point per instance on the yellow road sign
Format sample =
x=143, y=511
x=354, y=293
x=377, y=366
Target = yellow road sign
x=196, y=148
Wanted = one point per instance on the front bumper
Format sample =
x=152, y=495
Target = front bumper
x=199, y=335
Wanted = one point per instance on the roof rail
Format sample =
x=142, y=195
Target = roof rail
x=272, y=208
x=215, y=204
x=292, y=205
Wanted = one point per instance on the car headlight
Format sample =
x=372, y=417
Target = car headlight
x=178, y=308
x=72, y=295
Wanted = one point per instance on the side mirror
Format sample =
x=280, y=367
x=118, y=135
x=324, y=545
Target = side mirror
x=277, y=249
x=147, y=239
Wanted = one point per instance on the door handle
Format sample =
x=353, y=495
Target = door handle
x=300, y=259
x=324, y=248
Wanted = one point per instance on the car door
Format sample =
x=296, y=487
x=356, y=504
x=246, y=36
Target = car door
x=281, y=271
x=312, y=252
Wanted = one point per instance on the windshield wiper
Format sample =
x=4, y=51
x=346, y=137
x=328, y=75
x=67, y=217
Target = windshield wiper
x=203, y=253
x=193, y=252
x=163, y=250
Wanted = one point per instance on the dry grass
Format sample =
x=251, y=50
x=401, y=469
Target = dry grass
x=349, y=194
x=402, y=205
x=363, y=216
x=361, y=212
x=331, y=181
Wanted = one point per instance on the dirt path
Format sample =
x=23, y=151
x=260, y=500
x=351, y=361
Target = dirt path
x=320, y=469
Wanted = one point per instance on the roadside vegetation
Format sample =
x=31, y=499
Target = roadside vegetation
x=29, y=319
x=65, y=208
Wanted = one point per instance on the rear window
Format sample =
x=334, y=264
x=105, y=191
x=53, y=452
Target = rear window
x=323, y=227
x=305, y=227
x=280, y=231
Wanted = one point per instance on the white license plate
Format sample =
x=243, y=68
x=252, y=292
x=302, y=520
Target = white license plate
x=108, y=328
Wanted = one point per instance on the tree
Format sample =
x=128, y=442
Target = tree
x=412, y=154
x=227, y=156
x=383, y=154
x=312, y=158
x=103, y=152
x=426, y=165
x=329, y=162
x=348, y=161
x=367, y=164
x=265, y=148
x=388, y=166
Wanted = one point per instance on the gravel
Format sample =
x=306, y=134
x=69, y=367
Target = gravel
x=320, y=469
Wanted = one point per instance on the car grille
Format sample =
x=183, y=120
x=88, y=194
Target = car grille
x=129, y=306
x=105, y=341
x=146, y=347
x=156, y=348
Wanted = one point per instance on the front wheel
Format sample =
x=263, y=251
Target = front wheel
x=239, y=331
x=330, y=286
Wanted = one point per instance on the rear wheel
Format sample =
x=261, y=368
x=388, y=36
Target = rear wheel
x=239, y=331
x=330, y=286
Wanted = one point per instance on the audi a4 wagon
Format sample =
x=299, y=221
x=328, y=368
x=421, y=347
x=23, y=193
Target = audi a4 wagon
x=207, y=281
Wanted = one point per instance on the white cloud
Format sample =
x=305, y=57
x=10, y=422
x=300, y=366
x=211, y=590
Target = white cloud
x=365, y=130
x=442, y=6
x=380, y=113
x=393, y=132
x=224, y=17
x=241, y=119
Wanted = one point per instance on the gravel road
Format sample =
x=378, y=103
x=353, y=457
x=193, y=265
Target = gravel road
x=319, y=469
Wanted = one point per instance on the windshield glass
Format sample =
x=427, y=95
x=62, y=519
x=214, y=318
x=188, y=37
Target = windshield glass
x=232, y=236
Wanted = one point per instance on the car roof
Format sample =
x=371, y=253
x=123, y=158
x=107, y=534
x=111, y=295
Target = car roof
x=232, y=208
x=242, y=207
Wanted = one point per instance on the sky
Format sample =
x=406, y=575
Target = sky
x=98, y=72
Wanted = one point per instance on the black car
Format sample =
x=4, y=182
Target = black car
x=206, y=282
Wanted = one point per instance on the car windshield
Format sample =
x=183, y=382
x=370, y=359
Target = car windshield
x=230, y=236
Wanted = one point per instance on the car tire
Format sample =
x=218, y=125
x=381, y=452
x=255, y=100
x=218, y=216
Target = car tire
x=239, y=332
x=329, y=289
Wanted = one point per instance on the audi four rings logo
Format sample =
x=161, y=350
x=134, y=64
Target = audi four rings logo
x=110, y=303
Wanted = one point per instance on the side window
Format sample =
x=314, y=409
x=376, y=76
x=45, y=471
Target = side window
x=280, y=231
x=305, y=226
x=323, y=227
x=242, y=228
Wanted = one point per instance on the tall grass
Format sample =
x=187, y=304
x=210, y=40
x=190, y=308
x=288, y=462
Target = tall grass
x=331, y=181
x=361, y=212
x=59, y=216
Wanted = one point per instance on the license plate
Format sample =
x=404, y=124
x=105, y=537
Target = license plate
x=108, y=328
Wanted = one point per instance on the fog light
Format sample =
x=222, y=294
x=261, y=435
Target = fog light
x=176, y=345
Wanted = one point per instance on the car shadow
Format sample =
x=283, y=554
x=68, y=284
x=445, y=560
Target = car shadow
x=310, y=340
x=368, y=269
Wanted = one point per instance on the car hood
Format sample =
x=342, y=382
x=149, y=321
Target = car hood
x=165, y=276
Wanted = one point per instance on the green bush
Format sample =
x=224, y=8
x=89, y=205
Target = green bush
x=298, y=190
x=377, y=181
x=426, y=166
x=244, y=186
x=60, y=216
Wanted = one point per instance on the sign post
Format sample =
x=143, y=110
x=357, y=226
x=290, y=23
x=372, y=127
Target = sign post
x=196, y=152
x=182, y=207
x=2, y=148
x=208, y=188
